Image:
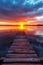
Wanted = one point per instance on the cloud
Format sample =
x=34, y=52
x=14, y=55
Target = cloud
x=15, y=8
x=39, y=18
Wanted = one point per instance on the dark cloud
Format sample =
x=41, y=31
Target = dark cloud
x=16, y=8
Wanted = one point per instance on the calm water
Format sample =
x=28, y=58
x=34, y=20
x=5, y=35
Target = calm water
x=33, y=28
x=7, y=35
x=27, y=29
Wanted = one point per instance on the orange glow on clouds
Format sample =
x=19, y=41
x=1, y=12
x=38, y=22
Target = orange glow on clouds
x=8, y=23
x=16, y=23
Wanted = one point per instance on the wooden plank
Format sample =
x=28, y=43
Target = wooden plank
x=21, y=55
x=21, y=60
x=30, y=52
x=21, y=64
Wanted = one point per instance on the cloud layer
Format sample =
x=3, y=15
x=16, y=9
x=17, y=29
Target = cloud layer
x=19, y=8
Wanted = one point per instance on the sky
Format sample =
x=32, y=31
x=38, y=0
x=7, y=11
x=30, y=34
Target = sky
x=21, y=10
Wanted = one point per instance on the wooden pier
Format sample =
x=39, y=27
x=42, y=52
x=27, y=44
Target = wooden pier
x=21, y=53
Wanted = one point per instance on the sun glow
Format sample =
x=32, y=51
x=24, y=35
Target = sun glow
x=12, y=25
x=21, y=26
x=8, y=23
x=16, y=23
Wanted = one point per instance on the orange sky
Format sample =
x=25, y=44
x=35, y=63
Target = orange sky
x=30, y=21
x=21, y=21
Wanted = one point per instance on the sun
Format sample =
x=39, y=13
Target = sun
x=21, y=27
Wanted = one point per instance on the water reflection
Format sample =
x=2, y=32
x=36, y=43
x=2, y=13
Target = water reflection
x=29, y=28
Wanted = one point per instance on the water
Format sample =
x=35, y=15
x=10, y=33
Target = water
x=34, y=35
x=29, y=28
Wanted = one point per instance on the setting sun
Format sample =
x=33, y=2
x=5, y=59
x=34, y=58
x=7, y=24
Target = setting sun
x=21, y=25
